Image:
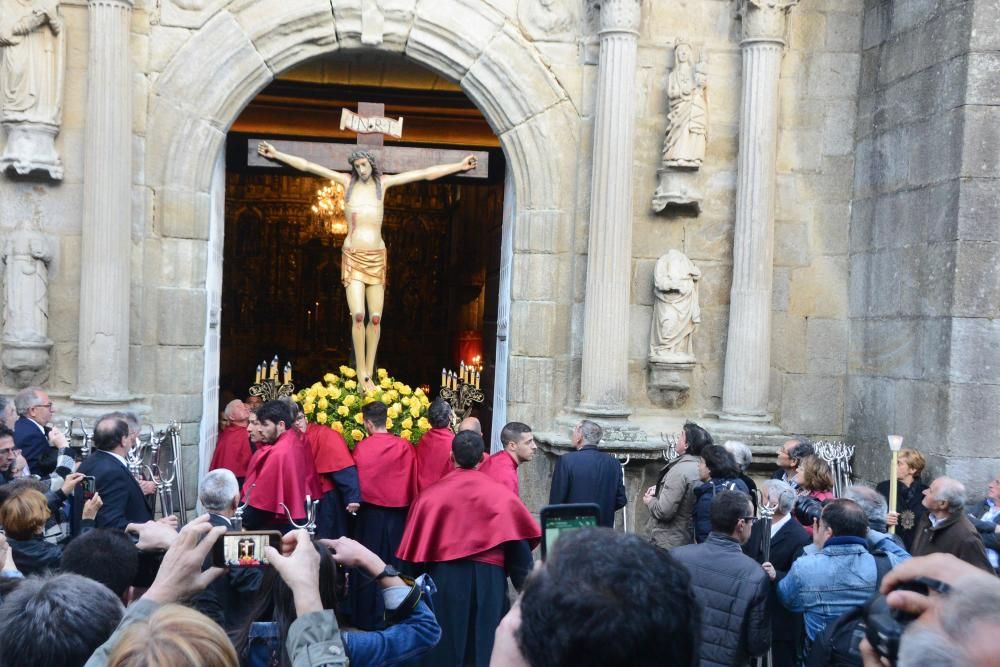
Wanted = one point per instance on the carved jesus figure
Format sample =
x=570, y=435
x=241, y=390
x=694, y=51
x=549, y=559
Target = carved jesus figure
x=363, y=260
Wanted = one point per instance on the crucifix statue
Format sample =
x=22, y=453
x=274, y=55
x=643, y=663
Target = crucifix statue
x=363, y=260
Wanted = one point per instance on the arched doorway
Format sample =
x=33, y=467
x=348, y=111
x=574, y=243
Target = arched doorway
x=281, y=290
x=238, y=51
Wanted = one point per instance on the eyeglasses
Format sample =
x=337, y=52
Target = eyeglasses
x=749, y=519
x=47, y=406
x=5, y=452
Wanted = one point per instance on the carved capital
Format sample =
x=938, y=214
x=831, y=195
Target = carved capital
x=764, y=20
x=621, y=15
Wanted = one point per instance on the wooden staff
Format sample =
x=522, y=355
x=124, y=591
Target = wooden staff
x=895, y=442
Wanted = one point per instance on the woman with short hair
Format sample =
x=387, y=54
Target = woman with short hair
x=909, y=495
x=23, y=516
x=173, y=635
x=718, y=472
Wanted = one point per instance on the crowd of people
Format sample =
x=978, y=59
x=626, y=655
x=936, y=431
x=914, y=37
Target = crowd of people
x=412, y=551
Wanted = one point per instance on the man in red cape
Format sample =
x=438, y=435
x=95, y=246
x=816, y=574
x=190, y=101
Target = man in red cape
x=469, y=532
x=518, y=447
x=281, y=471
x=338, y=478
x=387, y=472
x=232, y=451
x=434, y=449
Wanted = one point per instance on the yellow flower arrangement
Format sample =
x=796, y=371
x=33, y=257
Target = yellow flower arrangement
x=337, y=402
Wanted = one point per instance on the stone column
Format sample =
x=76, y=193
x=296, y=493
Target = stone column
x=604, y=383
x=748, y=349
x=105, y=278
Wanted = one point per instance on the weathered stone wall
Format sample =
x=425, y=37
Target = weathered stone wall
x=924, y=252
x=815, y=163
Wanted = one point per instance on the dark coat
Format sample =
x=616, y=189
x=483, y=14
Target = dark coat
x=703, y=501
x=589, y=475
x=123, y=499
x=732, y=591
x=909, y=499
x=986, y=528
x=956, y=536
x=787, y=631
x=35, y=448
x=35, y=555
x=228, y=599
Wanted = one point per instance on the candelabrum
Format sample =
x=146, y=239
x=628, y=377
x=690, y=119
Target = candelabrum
x=670, y=439
x=266, y=383
x=838, y=456
x=76, y=426
x=237, y=519
x=310, y=523
x=461, y=397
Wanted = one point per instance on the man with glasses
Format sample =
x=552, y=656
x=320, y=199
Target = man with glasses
x=730, y=587
x=7, y=454
x=39, y=444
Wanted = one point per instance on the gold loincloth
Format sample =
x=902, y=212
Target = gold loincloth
x=367, y=266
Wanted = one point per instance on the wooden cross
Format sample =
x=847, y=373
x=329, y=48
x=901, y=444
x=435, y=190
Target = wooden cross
x=391, y=159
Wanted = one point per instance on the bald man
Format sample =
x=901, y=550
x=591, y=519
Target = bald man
x=470, y=424
x=233, y=449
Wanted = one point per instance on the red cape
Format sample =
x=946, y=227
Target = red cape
x=434, y=456
x=502, y=468
x=329, y=452
x=387, y=470
x=232, y=451
x=464, y=514
x=282, y=473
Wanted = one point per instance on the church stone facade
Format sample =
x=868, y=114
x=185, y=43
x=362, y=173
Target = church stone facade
x=845, y=231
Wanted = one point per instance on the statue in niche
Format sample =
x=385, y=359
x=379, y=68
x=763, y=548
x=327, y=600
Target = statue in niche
x=547, y=20
x=687, y=132
x=676, y=310
x=687, y=122
x=32, y=65
x=26, y=257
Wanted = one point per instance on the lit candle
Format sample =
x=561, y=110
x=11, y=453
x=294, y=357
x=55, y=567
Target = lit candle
x=444, y=377
x=477, y=379
x=287, y=373
x=257, y=377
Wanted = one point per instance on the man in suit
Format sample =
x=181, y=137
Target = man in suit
x=227, y=599
x=589, y=475
x=40, y=446
x=788, y=539
x=124, y=497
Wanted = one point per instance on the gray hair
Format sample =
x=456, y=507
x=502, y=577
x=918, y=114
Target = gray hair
x=972, y=606
x=741, y=452
x=26, y=399
x=591, y=432
x=952, y=492
x=782, y=491
x=218, y=490
x=870, y=501
x=129, y=418
x=56, y=620
x=802, y=448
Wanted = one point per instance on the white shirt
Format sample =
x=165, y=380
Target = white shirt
x=775, y=527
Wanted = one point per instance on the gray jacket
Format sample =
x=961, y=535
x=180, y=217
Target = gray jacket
x=670, y=522
x=732, y=592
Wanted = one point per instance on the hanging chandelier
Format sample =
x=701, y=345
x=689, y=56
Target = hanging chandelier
x=329, y=207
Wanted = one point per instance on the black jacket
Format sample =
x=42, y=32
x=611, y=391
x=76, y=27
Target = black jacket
x=787, y=630
x=909, y=504
x=732, y=591
x=589, y=475
x=703, y=496
x=35, y=555
x=123, y=499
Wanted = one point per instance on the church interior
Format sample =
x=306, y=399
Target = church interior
x=283, y=232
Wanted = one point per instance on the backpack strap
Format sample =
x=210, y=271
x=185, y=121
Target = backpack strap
x=882, y=566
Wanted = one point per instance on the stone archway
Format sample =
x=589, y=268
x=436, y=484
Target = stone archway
x=239, y=50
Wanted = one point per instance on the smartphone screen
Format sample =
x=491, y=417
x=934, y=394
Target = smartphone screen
x=244, y=548
x=89, y=485
x=560, y=519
